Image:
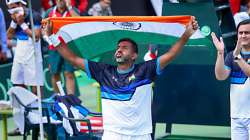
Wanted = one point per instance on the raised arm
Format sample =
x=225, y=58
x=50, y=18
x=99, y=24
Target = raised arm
x=177, y=47
x=62, y=47
x=220, y=72
x=70, y=56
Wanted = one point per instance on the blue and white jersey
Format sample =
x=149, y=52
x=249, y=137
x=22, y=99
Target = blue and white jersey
x=239, y=88
x=24, y=49
x=126, y=95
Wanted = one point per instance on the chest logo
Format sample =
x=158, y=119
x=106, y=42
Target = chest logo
x=113, y=77
x=131, y=78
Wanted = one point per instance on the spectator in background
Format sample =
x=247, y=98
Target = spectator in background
x=101, y=8
x=24, y=68
x=81, y=5
x=243, y=5
x=235, y=6
x=27, y=68
x=56, y=62
x=236, y=67
x=3, y=37
x=240, y=16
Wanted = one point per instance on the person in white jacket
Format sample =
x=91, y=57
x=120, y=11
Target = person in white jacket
x=240, y=16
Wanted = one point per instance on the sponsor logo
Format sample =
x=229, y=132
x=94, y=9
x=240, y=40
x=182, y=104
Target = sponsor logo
x=131, y=78
x=128, y=25
x=113, y=77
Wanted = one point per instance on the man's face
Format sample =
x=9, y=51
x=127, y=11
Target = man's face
x=248, y=5
x=244, y=35
x=61, y=3
x=14, y=5
x=105, y=3
x=125, y=53
x=15, y=9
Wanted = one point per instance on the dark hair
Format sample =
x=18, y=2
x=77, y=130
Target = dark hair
x=244, y=22
x=134, y=44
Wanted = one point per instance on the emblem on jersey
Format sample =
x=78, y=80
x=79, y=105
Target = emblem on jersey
x=131, y=78
x=113, y=77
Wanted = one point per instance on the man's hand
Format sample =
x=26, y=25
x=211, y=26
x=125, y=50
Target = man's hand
x=219, y=44
x=52, y=39
x=19, y=19
x=13, y=17
x=238, y=47
x=3, y=57
x=191, y=27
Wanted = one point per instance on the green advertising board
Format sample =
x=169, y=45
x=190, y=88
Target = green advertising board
x=187, y=92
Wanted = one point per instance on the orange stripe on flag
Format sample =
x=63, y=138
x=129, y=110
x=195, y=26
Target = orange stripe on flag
x=58, y=22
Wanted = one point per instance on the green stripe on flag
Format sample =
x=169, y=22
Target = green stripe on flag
x=93, y=45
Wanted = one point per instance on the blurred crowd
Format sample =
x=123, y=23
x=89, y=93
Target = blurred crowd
x=82, y=8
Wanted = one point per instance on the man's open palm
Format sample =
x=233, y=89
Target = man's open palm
x=219, y=44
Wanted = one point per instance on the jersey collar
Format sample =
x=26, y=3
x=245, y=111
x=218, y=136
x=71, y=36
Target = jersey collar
x=125, y=71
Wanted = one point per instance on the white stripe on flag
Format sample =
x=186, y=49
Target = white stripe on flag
x=74, y=31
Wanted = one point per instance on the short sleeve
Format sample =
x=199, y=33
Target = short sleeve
x=150, y=69
x=229, y=61
x=94, y=69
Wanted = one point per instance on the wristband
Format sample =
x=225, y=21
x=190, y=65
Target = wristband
x=24, y=26
x=54, y=40
x=13, y=24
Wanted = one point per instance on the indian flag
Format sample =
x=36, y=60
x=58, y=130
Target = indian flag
x=90, y=37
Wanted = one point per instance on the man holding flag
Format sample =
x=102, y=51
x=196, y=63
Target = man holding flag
x=126, y=88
